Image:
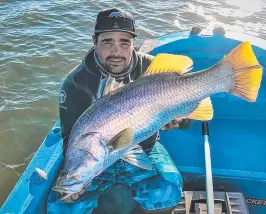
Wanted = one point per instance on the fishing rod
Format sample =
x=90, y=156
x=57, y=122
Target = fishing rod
x=208, y=168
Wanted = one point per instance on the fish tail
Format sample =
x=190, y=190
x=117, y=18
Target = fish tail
x=247, y=72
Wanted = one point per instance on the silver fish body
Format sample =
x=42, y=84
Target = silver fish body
x=143, y=106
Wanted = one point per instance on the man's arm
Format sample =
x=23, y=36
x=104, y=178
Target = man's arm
x=66, y=110
x=72, y=103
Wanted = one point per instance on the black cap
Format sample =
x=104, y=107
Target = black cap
x=115, y=19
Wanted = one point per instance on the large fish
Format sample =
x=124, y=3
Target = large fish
x=113, y=126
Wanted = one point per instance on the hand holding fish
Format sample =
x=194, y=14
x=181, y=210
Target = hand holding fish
x=178, y=123
x=70, y=197
x=174, y=124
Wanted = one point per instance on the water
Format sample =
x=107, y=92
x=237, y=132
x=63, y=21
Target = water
x=41, y=41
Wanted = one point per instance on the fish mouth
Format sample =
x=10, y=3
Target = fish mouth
x=68, y=189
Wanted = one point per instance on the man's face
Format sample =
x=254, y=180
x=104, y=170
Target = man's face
x=114, y=50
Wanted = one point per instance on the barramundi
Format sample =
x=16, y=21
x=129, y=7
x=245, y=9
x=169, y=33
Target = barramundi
x=112, y=127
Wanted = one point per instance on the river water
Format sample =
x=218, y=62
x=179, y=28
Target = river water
x=41, y=41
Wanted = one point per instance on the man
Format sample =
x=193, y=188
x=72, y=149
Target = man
x=113, y=59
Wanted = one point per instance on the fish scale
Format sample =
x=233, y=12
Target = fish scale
x=145, y=112
x=112, y=127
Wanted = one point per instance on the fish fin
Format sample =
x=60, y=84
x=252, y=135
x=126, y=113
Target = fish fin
x=247, y=71
x=204, y=110
x=121, y=140
x=42, y=173
x=111, y=86
x=138, y=158
x=169, y=63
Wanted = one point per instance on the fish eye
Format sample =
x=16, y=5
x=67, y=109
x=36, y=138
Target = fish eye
x=76, y=176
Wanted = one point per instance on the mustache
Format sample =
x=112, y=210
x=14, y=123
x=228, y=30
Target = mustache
x=115, y=57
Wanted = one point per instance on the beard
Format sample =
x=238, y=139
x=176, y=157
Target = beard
x=115, y=67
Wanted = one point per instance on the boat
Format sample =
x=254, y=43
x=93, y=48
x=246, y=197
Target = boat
x=237, y=135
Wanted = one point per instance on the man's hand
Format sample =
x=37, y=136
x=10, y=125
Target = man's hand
x=174, y=124
x=75, y=196
x=179, y=123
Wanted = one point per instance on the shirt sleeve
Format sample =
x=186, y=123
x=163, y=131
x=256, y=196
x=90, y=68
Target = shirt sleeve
x=72, y=103
x=66, y=110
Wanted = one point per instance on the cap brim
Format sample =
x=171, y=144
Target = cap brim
x=115, y=30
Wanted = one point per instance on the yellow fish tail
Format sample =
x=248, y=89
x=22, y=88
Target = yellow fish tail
x=247, y=72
